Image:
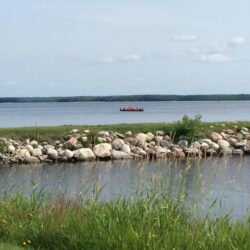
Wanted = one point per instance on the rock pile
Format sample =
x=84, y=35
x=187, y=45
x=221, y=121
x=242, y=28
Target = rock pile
x=114, y=145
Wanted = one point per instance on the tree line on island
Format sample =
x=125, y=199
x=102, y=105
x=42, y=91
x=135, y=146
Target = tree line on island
x=123, y=98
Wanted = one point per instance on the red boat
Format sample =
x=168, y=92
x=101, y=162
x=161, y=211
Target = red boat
x=132, y=109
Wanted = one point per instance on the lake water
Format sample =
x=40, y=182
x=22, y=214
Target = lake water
x=226, y=180
x=92, y=113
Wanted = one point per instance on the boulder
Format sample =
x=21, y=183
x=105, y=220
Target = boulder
x=178, y=152
x=118, y=155
x=34, y=143
x=230, y=131
x=214, y=146
x=158, y=139
x=238, y=152
x=119, y=135
x=52, y=153
x=37, y=152
x=11, y=149
x=125, y=148
x=32, y=160
x=29, y=148
x=195, y=144
x=140, y=151
x=103, y=134
x=131, y=141
x=192, y=151
x=128, y=133
x=118, y=143
x=150, y=136
x=141, y=139
x=223, y=144
x=215, y=136
x=204, y=146
x=159, y=133
x=24, y=153
x=68, y=154
x=101, y=139
x=70, y=143
x=74, y=131
x=164, y=143
x=161, y=150
x=102, y=150
x=183, y=143
x=244, y=132
x=84, y=154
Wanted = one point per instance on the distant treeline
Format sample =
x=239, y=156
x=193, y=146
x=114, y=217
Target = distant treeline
x=123, y=98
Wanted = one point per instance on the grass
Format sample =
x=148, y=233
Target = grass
x=58, y=132
x=145, y=221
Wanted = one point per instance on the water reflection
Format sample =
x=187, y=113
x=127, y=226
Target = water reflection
x=226, y=180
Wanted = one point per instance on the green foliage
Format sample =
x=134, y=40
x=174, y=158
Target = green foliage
x=144, y=222
x=2, y=146
x=190, y=128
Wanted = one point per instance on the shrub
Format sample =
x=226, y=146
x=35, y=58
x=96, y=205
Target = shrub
x=189, y=128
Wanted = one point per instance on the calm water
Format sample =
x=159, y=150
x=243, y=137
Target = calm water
x=91, y=113
x=226, y=180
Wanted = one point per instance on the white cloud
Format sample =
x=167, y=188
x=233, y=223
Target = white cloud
x=184, y=38
x=237, y=40
x=213, y=48
x=131, y=58
x=214, y=58
x=108, y=60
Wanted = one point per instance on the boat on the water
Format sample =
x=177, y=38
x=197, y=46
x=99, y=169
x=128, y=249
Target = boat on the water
x=132, y=109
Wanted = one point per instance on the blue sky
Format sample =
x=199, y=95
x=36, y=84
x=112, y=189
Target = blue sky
x=112, y=47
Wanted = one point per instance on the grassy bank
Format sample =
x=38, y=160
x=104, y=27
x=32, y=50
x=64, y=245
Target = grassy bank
x=57, y=132
x=145, y=222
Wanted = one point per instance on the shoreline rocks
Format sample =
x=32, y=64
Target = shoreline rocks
x=108, y=145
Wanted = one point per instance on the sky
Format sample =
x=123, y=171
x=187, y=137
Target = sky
x=114, y=47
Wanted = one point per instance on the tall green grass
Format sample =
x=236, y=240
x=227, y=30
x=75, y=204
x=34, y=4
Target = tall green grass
x=146, y=221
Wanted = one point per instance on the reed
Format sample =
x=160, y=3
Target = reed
x=144, y=221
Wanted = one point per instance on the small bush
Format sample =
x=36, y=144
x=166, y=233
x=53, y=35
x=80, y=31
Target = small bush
x=189, y=128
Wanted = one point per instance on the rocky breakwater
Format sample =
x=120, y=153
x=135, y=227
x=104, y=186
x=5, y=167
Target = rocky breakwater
x=107, y=145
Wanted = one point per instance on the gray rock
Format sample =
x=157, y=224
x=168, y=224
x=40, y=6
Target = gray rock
x=34, y=143
x=23, y=153
x=119, y=135
x=68, y=154
x=195, y=144
x=214, y=146
x=71, y=143
x=37, y=152
x=224, y=145
x=11, y=149
x=150, y=136
x=238, y=152
x=101, y=139
x=131, y=141
x=102, y=150
x=84, y=154
x=74, y=131
x=52, y=153
x=29, y=148
x=128, y=133
x=125, y=148
x=183, y=143
x=159, y=133
x=118, y=155
x=178, y=152
x=141, y=139
x=32, y=160
x=103, y=134
x=118, y=143
x=215, y=136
